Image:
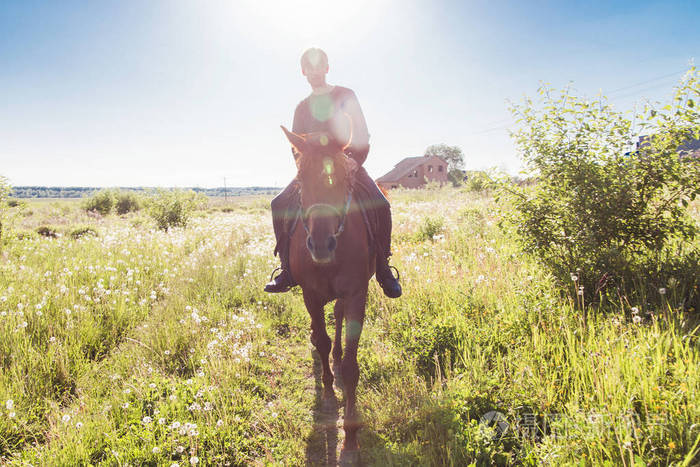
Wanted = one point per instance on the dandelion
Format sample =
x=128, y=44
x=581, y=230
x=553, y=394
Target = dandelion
x=9, y=404
x=11, y=415
x=636, y=319
x=175, y=425
x=580, y=291
x=152, y=385
x=155, y=450
x=146, y=420
x=662, y=290
x=161, y=421
x=180, y=449
x=219, y=423
x=125, y=405
x=79, y=425
x=574, y=277
x=635, y=310
x=66, y=418
x=194, y=460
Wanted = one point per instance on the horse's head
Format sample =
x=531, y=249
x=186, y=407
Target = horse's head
x=326, y=176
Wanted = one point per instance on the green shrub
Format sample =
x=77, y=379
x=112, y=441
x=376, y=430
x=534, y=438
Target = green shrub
x=15, y=203
x=431, y=227
x=173, y=208
x=25, y=235
x=602, y=211
x=478, y=180
x=103, y=201
x=126, y=201
x=435, y=344
x=82, y=231
x=47, y=231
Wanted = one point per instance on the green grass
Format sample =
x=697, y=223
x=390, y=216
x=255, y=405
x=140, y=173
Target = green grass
x=113, y=347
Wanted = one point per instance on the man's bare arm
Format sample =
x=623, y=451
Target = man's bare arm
x=359, y=145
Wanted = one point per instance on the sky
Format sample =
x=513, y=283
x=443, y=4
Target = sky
x=192, y=93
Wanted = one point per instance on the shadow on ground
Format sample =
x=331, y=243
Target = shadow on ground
x=322, y=443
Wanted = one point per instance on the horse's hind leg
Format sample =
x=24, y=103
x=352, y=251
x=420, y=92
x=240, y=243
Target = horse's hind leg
x=320, y=340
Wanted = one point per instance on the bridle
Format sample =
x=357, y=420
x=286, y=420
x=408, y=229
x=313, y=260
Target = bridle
x=304, y=214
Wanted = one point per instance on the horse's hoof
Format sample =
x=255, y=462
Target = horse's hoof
x=349, y=457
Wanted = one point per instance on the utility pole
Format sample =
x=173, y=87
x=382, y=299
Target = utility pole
x=225, y=193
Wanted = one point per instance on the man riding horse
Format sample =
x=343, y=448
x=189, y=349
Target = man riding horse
x=335, y=110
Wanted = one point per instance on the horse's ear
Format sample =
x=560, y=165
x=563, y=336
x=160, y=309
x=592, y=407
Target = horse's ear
x=297, y=141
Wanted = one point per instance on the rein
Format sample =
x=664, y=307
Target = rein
x=341, y=214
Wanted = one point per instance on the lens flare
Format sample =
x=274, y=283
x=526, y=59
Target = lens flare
x=328, y=165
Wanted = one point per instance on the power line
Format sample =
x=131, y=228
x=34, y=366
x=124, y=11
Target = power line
x=651, y=80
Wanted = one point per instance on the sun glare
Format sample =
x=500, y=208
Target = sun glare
x=313, y=21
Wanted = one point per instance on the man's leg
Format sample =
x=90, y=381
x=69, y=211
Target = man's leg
x=284, y=209
x=374, y=201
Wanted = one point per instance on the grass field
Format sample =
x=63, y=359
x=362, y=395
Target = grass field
x=141, y=347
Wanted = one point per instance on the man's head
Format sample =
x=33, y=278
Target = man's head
x=314, y=65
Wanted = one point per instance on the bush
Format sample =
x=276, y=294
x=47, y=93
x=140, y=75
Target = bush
x=82, y=231
x=126, y=201
x=173, y=208
x=25, y=235
x=431, y=227
x=478, y=181
x=102, y=202
x=47, y=231
x=602, y=210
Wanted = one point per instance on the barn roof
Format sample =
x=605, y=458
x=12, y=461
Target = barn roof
x=403, y=168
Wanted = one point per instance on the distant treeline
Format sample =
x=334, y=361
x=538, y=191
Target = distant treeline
x=82, y=191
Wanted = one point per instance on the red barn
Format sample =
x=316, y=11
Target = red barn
x=415, y=172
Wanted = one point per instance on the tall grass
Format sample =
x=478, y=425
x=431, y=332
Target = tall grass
x=141, y=346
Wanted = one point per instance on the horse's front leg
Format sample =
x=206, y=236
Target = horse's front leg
x=354, y=311
x=320, y=340
x=338, y=314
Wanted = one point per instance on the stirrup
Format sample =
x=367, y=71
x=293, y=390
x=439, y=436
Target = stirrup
x=398, y=276
x=273, y=273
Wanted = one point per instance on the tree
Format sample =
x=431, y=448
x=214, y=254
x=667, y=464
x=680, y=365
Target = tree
x=454, y=157
x=605, y=214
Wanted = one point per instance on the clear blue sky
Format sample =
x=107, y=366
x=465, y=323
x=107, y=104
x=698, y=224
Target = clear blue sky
x=185, y=93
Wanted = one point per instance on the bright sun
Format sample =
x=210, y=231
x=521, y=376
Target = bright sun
x=305, y=20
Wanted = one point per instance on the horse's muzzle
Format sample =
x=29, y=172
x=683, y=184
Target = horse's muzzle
x=322, y=251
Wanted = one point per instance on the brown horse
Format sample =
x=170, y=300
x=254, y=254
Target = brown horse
x=332, y=259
